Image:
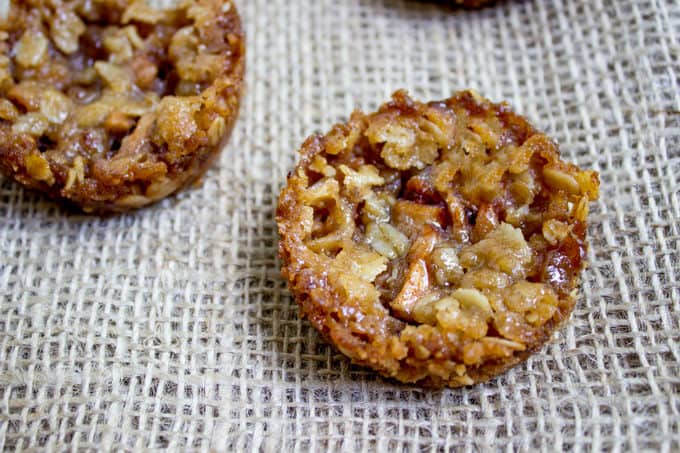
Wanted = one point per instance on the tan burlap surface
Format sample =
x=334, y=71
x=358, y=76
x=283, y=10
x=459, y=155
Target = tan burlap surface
x=171, y=327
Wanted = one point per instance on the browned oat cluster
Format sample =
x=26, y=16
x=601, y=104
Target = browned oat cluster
x=437, y=243
x=115, y=104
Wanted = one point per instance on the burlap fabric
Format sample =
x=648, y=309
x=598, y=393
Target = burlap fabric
x=171, y=327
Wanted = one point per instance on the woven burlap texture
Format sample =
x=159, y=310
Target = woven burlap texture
x=171, y=327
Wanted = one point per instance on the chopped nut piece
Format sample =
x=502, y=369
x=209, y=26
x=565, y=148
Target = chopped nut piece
x=416, y=285
x=411, y=217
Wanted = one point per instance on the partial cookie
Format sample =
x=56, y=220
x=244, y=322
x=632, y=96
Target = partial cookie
x=473, y=3
x=113, y=105
x=437, y=243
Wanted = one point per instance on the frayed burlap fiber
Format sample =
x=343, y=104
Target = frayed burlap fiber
x=172, y=328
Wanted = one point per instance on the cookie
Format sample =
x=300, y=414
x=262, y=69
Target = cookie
x=438, y=243
x=113, y=105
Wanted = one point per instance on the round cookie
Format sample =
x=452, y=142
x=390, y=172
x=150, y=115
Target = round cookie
x=436, y=243
x=113, y=105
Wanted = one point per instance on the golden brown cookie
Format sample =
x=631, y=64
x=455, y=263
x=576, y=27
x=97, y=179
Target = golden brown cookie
x=115, y=104
x=436, y=243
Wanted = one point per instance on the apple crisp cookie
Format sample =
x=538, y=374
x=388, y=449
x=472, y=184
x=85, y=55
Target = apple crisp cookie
x=436, y=243
x=115, y=104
